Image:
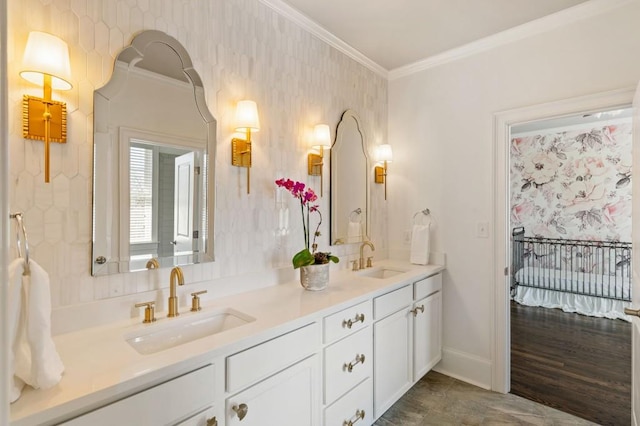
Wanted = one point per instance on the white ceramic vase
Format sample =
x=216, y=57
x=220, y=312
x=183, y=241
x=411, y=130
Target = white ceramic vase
x=314, y=277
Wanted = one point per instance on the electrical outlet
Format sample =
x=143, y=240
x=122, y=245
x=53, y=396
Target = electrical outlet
x=482, y=229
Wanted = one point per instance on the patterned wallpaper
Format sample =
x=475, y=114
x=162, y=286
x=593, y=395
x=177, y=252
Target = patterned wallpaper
x=241, y=49
x=574, y=184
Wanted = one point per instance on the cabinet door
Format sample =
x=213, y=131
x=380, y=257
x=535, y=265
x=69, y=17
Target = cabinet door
x=427, y=334
x=392, y=359
x=289, y=398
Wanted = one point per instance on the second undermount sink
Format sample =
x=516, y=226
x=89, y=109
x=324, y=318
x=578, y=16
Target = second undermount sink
x=381, y=272
x=186, y=328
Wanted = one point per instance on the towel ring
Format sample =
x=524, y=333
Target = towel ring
x=425, y=213
x=357, y=212
x=20, y=241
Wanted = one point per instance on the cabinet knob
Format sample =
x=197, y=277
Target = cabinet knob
x=416, y=309
x=349, y=323
x=359, y=360
x=241, y=410
x=359, y=416
x=212, y=421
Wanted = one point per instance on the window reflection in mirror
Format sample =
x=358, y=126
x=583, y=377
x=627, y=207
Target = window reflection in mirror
x=349, y=182
x=154, y=139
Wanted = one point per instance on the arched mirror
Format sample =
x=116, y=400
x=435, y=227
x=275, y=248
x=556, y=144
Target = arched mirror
x=154, y=147
x=349, y=182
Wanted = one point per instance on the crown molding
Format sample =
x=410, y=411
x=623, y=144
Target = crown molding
x=304, y=22
x=564, y=17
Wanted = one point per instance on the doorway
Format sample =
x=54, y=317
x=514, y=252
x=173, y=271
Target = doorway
x=501, y=374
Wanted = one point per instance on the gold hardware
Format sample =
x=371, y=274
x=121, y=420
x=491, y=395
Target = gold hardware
x=417, y=308
x=385, y=156
x=632, y=312
x=153, y=264
x=241, y=410
x=315, y=162
x=149, y=311
x=176, y=275
x=101, y=260
x=349, y=323
x=359, y=360
x=369, y=259
x=33, y=125
x=359, y=416
x=195, y=301
x=355, y=265
x=212, y=421
x=365, y=243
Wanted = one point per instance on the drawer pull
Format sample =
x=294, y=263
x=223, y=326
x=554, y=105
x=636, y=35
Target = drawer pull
x=349, y=323
x=212, y=421
x=359, y=416
x=418, y=308
x=359, y=360
x=241, y=410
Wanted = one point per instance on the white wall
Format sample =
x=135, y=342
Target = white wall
x=441, y=129
x=240, y=48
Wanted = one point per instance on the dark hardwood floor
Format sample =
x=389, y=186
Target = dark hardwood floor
x=578, y=364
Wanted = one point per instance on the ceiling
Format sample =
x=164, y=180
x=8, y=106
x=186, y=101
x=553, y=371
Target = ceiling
x=396, y=33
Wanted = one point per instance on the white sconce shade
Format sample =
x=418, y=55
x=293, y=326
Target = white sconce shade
x=46, y=54
x=247, y=116
x=385, y=153
x=322, y=136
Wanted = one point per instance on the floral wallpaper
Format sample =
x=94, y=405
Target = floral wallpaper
x=573, y=184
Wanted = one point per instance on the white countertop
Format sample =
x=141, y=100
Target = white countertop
x=100, y=365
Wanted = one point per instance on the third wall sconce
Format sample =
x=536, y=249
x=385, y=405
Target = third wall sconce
x=384, y=155
x=321, y=141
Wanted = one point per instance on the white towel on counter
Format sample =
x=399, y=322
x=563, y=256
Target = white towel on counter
x=34, y=359
x=420, y=244
x=354, y=232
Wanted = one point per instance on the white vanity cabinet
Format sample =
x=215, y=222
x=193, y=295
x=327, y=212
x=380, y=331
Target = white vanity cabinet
x=276, y=382
x=407, y=338
x=347, y=367
x=185, y=400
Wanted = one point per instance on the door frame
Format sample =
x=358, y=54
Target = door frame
x=502, y=122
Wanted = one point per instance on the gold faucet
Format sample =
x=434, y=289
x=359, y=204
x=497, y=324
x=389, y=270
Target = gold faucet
x=176, y=273
x=365, y=243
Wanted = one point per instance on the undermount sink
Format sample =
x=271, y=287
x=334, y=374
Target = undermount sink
x=186, y=328
x=381, y=272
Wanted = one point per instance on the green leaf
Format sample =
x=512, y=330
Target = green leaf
x=334, y=259
x=303, y=258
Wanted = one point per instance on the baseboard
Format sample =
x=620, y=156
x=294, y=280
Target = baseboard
x=466, y=367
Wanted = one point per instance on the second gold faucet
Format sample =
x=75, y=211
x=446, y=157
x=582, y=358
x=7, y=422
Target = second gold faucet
x=176, y=275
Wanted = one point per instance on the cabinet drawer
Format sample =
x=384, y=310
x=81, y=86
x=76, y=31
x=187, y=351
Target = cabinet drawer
x=163, y=404
x=392, y=302
x=356, y=406
x=427, y=286
x=347, y=363
x=347, y=321
x=260, y=361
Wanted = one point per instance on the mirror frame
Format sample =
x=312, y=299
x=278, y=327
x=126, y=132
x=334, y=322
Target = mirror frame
x=130, y=55
x=340, y=138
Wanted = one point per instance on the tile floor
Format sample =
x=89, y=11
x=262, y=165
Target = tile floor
x=441, y=400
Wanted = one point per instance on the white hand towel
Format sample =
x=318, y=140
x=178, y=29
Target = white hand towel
x=420, y=244
x=354, y=232
x=35, y=359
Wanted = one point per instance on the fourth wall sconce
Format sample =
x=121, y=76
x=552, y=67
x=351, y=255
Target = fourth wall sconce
x=45, y=63
x=321, y=141
x=246, y=120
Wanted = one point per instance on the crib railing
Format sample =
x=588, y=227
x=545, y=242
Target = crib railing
x=591, y=268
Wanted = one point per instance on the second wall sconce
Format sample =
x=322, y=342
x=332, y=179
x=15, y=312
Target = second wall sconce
x=384, y=155
x=246, y=120
x=321, y=141
x=45, y=63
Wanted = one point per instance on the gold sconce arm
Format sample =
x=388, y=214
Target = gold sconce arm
x=241, y=155
x=315, y=165
x=381, y=177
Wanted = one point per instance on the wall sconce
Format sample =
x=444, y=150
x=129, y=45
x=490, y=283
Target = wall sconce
x=384, y=154
x=45, y=63
x=321, y=141
x=246, y=120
